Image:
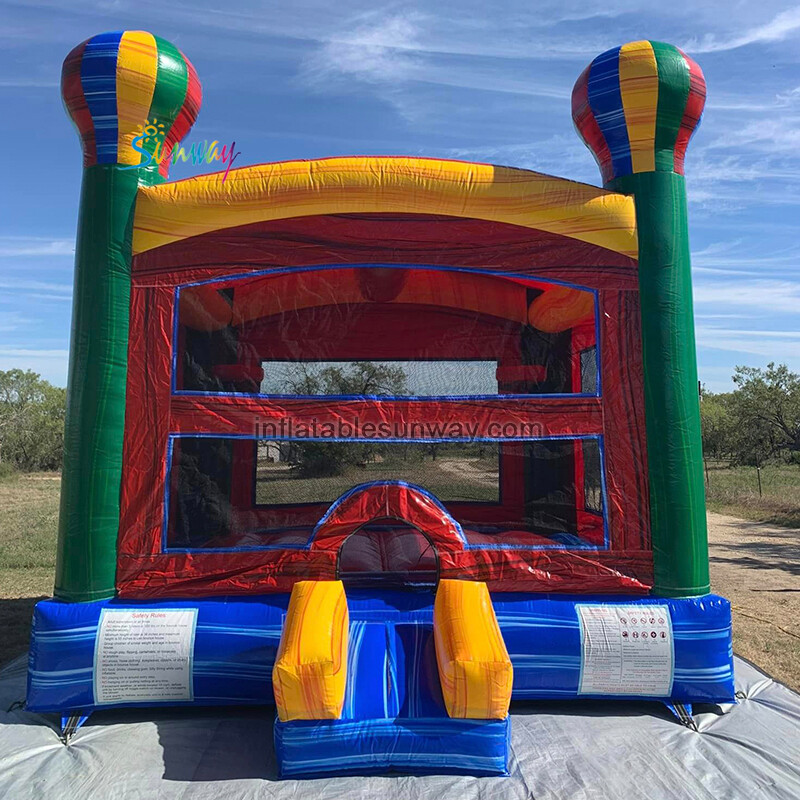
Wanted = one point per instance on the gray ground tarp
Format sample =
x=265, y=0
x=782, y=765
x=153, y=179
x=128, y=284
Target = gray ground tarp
x=563, y=751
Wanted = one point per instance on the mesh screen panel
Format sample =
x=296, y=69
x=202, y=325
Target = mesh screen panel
x=386, y=332
x=232, y=493
x=308, y=472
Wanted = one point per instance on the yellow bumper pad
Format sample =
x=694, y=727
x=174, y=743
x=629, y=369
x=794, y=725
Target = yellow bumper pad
x=474, y=668
x=310, y=671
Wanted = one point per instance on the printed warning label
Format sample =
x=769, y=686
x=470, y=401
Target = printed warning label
x=144, y=656
x=626, y=649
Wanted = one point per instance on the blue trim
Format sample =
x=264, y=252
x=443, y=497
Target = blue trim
x=373, y=265
x=206, y=435
x=349, y=492
x=167, y=480
x=243, y=549
x=254, y=478
x=597, y=343
x=380, y=398
x=405, y=484
x=175, y=322
x=386, y=397
x=601, y=446
x=81, y=719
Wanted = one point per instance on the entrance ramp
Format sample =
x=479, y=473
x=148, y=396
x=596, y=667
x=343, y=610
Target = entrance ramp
x=394, y=715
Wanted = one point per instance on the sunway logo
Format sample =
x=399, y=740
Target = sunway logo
x=202, y=152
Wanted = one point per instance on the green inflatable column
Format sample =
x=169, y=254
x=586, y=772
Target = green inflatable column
x=130, y=94
x=636, y=107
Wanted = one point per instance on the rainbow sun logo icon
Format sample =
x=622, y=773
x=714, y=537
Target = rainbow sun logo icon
x=153, y=130
x=148, y=143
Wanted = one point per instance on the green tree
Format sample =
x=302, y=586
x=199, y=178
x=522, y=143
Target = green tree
x=32, y=415
x=356, y=378
x=765, y=408
x=716, y=421
x=325, y=459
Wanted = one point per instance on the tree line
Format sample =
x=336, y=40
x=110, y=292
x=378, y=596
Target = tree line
x=758, y=421
x=32, y=413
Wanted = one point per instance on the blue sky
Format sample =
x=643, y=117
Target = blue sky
x=478, y=81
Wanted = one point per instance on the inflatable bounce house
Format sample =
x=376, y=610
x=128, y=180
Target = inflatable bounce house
x=389, y=442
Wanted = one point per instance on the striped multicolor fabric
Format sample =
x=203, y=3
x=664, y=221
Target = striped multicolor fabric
x=636, y=107
x=114, y=84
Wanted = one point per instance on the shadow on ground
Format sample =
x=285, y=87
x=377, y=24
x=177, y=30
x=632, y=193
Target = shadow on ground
x=15, y=623
x=215, y=753
x=761, y=547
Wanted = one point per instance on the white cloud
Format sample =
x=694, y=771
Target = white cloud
x=380, y=50
x=389, y=52
x=27, y=83
x=720, y=306
x=18, y=246
x=775, y=296
x=561, y=155
x=773, y=345
x=758, y=334
x=717, y=102
x=715, y=378
x=12, y=321
x=37, y=286
x=763, y=171
x=719, y=316
x=778, y=28
x=788, y=98
x=775, y=134
x=732, y=258
x=55, y=298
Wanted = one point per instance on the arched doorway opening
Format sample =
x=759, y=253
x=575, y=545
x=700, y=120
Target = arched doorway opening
x=390, y=553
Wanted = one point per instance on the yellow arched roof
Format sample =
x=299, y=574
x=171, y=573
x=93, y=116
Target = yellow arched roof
x=169, y=212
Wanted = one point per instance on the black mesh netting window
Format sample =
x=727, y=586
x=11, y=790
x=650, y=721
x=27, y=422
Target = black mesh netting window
x=417, y=332
x=589, y=370
x=592, y=477
x=247, y=493
x=381, y=378
x=313, y=472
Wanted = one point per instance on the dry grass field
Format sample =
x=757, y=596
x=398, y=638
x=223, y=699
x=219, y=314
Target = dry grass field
x=28, y=526
x=735, y=491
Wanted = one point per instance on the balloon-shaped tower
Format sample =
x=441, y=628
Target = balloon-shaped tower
x=114, y=86
x=636, y=107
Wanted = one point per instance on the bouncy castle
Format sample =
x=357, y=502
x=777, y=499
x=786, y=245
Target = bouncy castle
x=388, y=443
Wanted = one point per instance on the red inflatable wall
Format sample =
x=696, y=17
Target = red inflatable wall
x=614, y=554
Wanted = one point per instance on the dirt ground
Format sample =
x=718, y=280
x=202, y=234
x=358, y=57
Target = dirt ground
x=757, y=567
